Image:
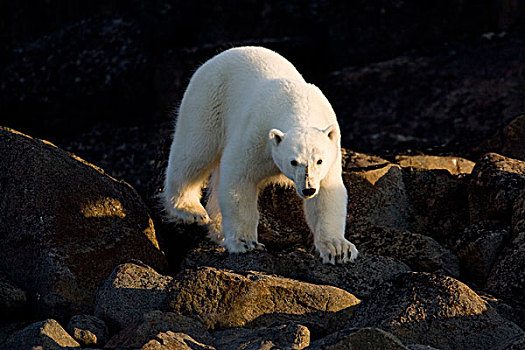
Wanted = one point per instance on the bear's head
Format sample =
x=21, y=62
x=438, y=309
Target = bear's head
x=305, y=156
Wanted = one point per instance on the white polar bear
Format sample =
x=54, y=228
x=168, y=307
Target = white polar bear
x=248, y=118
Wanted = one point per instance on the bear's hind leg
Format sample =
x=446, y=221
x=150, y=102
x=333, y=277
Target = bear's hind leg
x=213, y=209
x=188, y=170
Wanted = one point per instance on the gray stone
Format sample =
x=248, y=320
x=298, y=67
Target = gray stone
x=154, y=323
x=454, y=165
x=174, y=341
x=65, y=225
x=222, y=299
x=362, y=339
x=506, y=279
x=419, y=252
x=131, y=290
x=13, y=300
x=88, y=330
x=48, y=334
x=439, y=311
x=286, y=336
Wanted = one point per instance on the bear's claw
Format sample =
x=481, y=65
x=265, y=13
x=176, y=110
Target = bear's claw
x=336, y=251
x=241, y=245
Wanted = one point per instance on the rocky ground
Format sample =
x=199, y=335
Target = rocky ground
x=433, y=123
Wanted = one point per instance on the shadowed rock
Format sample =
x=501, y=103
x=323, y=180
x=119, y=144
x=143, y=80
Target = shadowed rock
x=362, y=339
x=88, y=330
x=48, y=334
x=439, y=311
x=64, y=224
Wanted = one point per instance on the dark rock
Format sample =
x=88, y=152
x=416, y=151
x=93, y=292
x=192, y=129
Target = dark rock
x=454, y=165
x=92, y=70
x=450, y=100
x=13, y=300
x=419, y=252
x=508, y=141
x=175, y=341
x=478, y=249
x=48, y=334
x=362, y=339
x=222, y=299
x=422, y=308
x=495, y=185
x=506, y=280
x=438, y=202
x=517, y=344
x=153, y=323
x=88, y=330
x=286, y=336
x=377, y=194
x=359, y=278
x=65, y=225
x=131, y=290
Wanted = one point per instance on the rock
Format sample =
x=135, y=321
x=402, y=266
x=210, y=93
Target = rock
x=131, y=290
x=478, y=249
x=155, y=322
x=66, y=225
x=518, y=215
x=506, y=279
x=445, y=100
x=419, y=252
x=517, y=344
x=358, y=278
x=438, y=202
x=362, y=339
x=88, y=330
x=454, y=165
x=222, y=299
x=508, y=141
x=420, y=308
x=376, y=194
x=494, y=186
x=13, y=300
x=48, y=334
x=286, y=336
x=94, y=69
x=175, y=341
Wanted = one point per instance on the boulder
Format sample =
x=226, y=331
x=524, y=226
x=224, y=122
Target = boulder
x=286, y=336
x=359, y=278
x=154, y=323
x=419, y=252
x=508, y=141
x=438, y=201
x=65, y=225
x=495, y=184
x=222, y=299
x=478, y=248
x=87, y=330
x=435, y=310
x=174, y=341
x=48, y=334
x=131, y=290
x=454, y=165
x=506, y=278
x=362, y=339
x=13, y=300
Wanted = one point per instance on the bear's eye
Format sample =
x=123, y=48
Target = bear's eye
x=319, y=162
x=293, y=162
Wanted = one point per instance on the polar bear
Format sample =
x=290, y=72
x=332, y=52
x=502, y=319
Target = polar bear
x=249, y=119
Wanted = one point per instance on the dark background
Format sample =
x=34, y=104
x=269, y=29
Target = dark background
x=102, y=78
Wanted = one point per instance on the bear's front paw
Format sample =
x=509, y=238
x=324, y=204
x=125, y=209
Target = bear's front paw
x=241, y=245
x=336, y=250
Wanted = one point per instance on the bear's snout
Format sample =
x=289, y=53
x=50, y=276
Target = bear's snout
x=308, y=192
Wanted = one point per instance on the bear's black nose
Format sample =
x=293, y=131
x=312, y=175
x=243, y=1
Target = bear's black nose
x=308, y=191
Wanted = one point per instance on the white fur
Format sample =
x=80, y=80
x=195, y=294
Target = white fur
x=245, y=116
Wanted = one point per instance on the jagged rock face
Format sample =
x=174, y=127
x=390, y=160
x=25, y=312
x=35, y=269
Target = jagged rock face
x=64, y=225
x=48, y=334
x=435, y=310
x=88, y=330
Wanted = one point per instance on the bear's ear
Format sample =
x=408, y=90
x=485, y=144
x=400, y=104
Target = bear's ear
x=276, y=136
x=331, y=132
